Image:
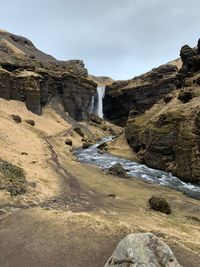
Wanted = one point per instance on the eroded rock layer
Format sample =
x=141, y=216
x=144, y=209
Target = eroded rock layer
x=139, y=94
x=29, y=75
x=161, y=112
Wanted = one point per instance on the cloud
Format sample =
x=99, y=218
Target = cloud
x=114, y=37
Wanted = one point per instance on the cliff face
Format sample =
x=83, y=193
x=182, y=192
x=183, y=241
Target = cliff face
x=163, y=115
x=138, y=94
x=29, y=75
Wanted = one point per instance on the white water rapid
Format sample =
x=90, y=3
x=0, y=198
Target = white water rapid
x=91, y=155
x=97, y=102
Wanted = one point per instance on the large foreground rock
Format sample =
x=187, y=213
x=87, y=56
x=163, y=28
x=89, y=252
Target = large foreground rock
x=142, y=250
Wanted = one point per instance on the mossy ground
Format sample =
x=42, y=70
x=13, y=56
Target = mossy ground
x=12, y=178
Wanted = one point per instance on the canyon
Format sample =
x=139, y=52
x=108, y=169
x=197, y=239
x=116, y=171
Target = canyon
x=160, y=113
x=57, y=211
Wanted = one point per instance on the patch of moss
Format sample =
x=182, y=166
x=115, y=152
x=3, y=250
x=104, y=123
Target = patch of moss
x=12, y=178
x=193, y=218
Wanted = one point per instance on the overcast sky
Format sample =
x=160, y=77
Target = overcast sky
x=117, y=38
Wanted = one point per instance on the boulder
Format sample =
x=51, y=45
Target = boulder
x=159, y=204
x=31, y=122
x=168, y=98
x=142, y=250
x=96, y=119
x=68, y=142
x=17, y=118
x=103, y=147
x=118, y=170
x=186, y=53
x=185, y=96
x=79, y=131
x=87, y=144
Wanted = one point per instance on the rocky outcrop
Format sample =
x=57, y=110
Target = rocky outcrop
x=138, y=94
x=27, y=74
x=77, y=93
x=101, y=80
x=166, y=136
x=143, y=249
x=118, y=170
x=159, y=204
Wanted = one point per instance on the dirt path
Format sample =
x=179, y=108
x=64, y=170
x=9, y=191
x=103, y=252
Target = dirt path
x=80, y=197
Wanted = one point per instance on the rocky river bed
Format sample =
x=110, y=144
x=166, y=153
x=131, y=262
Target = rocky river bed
x=92, y=155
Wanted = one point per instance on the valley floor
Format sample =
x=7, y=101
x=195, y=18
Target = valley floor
x=66, y=217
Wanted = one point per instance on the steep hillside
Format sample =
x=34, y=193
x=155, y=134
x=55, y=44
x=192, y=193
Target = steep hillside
x=31, y=76
x=138, y=94
x=56, y=211
x=161, y=113
x=65, y=205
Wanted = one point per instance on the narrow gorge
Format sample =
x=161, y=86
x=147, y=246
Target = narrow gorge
x=91, y=169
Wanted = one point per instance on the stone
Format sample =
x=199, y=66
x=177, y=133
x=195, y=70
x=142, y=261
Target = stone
x=185, y=96
x=118, y=170
x=159, y=204
x=111, y=195
x=133, y=113
x=186, y=53
x=17, y=118
x=168, y=98
x=111, y=131
x=31, y=122
x=87, y=144
x=104, y=127
x=79, y=131
x=142, y=250
x=68, y=142
x=96, y=119
x=24, y=153
x=103, y=146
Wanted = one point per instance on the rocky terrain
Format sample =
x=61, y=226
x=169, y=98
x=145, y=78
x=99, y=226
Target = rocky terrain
x=56, y=211
x=160, y=112
x=31, y=76
x=139, y=94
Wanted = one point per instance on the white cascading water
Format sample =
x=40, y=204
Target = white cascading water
x=101, y=94
x=91, y=109
x=96, y=106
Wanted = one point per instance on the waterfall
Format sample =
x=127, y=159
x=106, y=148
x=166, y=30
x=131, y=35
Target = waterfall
x=91, y=108
x=101, y=94
x=96, y=105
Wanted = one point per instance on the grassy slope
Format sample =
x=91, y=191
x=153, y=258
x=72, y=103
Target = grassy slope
x=67, y=219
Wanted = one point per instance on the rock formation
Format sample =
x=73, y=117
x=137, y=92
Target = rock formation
x=139, y=94
x=142, y=250
x=29, y=75
x=161, y=114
